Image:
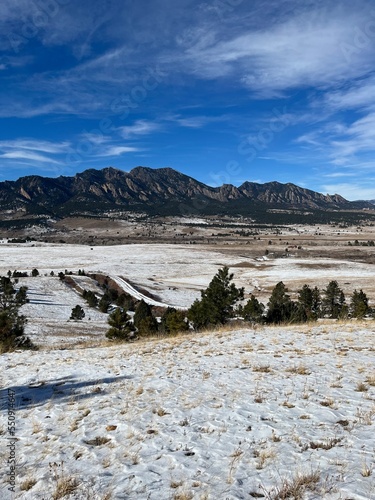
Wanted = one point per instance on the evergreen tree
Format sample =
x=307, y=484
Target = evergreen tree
x=253, y=310
x=120, y=326
x=308, y=307
x=359, y=304
x=218, y=301
x=35, y=272
x=280, y=307
x=90, y=297
x=173, y=321
x=104, y=303
x=77, y=313
x=144, y=321
x=334, y=301
x=148, y=326
x=12, y=324
x=198, y=314
x=316, y=308
x=21, y=296
x=125, y=301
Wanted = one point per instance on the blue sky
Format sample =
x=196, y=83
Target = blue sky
x=222, y=90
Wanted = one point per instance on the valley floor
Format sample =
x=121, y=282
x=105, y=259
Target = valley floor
x=173, y=274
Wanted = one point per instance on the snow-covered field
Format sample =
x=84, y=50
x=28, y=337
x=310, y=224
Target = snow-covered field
x=177, y=273
x=174, y=274
x=49, y=309
x=227, y=415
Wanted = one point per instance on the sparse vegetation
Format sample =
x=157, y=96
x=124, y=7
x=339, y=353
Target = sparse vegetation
x=97, y=441
x=297, y=486
x=28, y=484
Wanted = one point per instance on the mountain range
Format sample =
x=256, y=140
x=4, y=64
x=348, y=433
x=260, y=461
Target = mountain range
x=161, y=191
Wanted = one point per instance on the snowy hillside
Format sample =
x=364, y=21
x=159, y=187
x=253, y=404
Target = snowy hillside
x=228, y=415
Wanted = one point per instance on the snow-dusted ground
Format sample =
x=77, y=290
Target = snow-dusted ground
x=227, y=415
x=158, y=268
x=177, y=273
x=49, y=309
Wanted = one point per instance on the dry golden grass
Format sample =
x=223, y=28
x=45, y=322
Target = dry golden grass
x=296, y=487
x=326, y=445
x=97, y=441
x=287, y=404
x=366, y=417
x=264, y=456
x=27, y=484
x=183, y=495
x=299, y=370
x=65, y=485
x=361, y=387
x=176, y=484
x=235, y=458
x=160, y=412
x=366, y=471
x=328, y=403
x=262, y=369
x=37, y=427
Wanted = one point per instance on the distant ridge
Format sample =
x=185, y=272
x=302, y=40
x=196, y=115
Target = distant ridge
x=156, y=191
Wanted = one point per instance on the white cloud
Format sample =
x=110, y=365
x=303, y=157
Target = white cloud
x=358, y=95
x=140, y=127
x=117, y=151
x=28, y=155
x=358, y=138
x=343, y=144
x=337, y=175
x=21, y=107
x=35, y=145
x=33, y=150
x=307, y=49
x=195, y=121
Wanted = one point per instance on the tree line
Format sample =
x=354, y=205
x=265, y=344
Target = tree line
x=222, y=301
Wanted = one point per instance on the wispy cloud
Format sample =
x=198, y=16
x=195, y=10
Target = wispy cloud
x=22, y=106
x=359, y=94
x=33, y=151
x=28, y=155
x=304, y=50
x=198, y=121
x=341, y=143
x=35, y=145
x=359, y=137
x=117, y=151
x=338, y=175
x=140, y=128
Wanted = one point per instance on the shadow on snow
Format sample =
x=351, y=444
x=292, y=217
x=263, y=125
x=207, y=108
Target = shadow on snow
x=60, y=390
